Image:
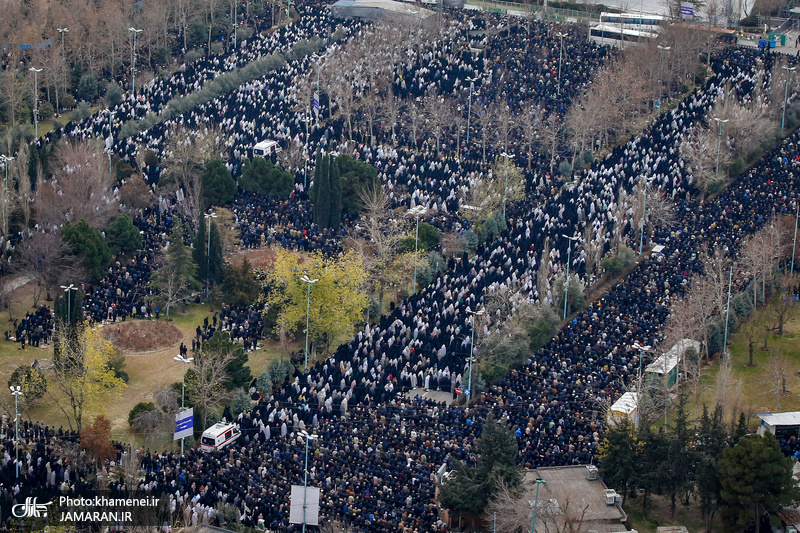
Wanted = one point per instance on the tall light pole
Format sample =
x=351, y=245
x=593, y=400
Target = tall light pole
x=474, y=314
x=6, y=160
x=307, y=437
x=661, y=49
x=235, y=22
x=560, y=57
x=62, y=31
x=566, y=280
x=68, y=289
x=416, y=212
x=135, y=33
x=644, y=210
x=305, y=157
x=539, y=482
x=183, y=360
x=310, y=282
x=794, y=241
x=35, y=71
x=16, y=390
x=788, y=70
x=642, y=350
x=469, y=103
x=719, y=143
x=727, y=313
x=209, y=217
x=505, y=186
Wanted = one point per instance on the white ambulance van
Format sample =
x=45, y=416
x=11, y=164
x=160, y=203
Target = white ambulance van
x=219, y=436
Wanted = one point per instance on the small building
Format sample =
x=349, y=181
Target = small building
x=782, y=425
x=626, y=407
x=379, y=10
x=666, y=365
x=574, y=497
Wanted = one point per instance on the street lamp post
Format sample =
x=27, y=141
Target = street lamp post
x=644, y=210
x=135, y=33
x=794, y=241
x=35, y=71
x=235, y=22
x=62, y=31
x=416, y=212
x=566, y=280
x=719, y=144
x=16, y=390
x=183, y=360
x=310, y=282
x=727, y=313
x=469, y=103
x=209, y=217
x=642, y=350
x=472, y=351
x=560, y=57
x=788, y=70
x=68, y=289
x=661, y=49
x=539, y=482
x=6, y=160
x=505, y=186
x=307, y=437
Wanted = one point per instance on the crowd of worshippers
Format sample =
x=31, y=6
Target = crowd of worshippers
x=377, y=454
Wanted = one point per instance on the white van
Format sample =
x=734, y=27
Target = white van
x=266, y=149
x=218, y=436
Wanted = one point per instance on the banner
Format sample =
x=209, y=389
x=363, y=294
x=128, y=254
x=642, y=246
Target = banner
x=316, y=104
x=687, y=10
x=184, y=424
x=312, y=505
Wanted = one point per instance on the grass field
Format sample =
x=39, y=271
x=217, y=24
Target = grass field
x=147, y=371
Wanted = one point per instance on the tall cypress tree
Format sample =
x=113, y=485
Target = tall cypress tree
x=335, y=215
x=199, y=251
x=322, y=184
x=215, y=264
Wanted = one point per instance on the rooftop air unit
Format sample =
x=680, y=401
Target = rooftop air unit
x=591, y=472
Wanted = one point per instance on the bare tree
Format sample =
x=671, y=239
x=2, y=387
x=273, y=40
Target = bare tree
x=44, y=258
x=437, y=115
x=775, y=376
x=700, y=151
x=81, y=188
x=727, y=389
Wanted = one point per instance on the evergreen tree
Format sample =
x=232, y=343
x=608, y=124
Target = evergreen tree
x=200, y=249
x=473, y=486
x=322, y=192
x=710, y=442
x=335, y=215
x=756, y=478
x=239, y=286
x=221, y=346
x=619, y=456
x=177, y=277
x=218, y=185
x=682, y=460
x=215, y=260
x=122, y=236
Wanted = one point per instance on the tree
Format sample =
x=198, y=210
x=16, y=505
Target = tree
x=81, y=187
x=135, y=194
x=122, y=236
x=89, y=246
x=709, y=444
x=46, y=260
x=32, y=383
x=176, y=279
x=238, y=286
x=218, y=185
x=206, y=381
x=619, y=458
x=337, y=300
x=96, y=440
x=700, y=151
x=755, y=478
x=356, y=177
x=473, y=487
x=220, y=346
x=83, y=374
x=260, y=176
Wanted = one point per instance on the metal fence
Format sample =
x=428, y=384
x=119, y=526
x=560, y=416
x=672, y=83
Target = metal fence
x=554, y=13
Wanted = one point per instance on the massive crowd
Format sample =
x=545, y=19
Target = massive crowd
x=377, y=452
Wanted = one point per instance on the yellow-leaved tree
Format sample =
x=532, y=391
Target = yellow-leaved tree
x=83, y=374
x=335, y=302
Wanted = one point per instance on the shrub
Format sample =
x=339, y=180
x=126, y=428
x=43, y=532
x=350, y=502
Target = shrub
x=191, y=56
x=113, y=94
x=240, y=402
x=46, y=111
x=618, y=261
x=32, y=382
x=470, y=239
x=81, y=112
x=87, y=87
x=139, y=409
x=67, y=101
x=565, y=169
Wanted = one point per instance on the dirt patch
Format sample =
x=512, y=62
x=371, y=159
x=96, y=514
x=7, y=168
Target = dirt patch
x=141, y=336
x=262, y=258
